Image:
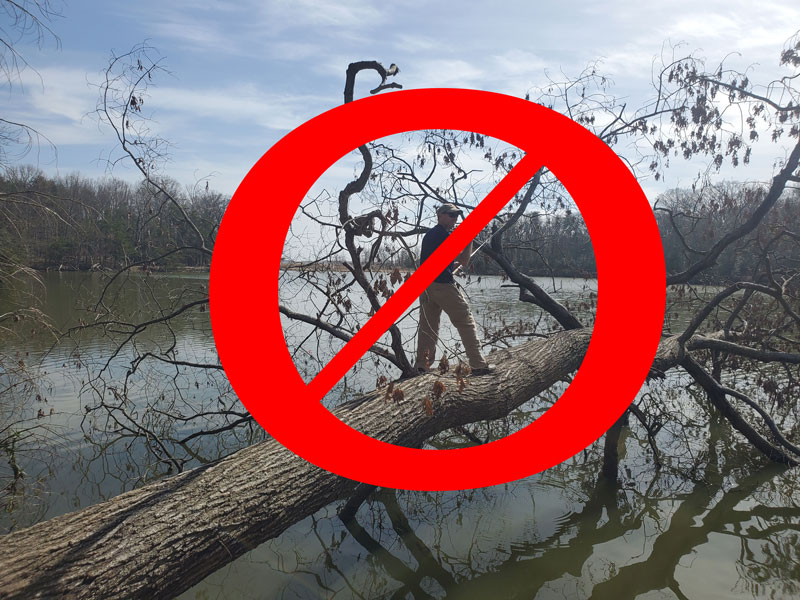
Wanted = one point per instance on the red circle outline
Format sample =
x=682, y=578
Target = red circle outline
x=630, y=304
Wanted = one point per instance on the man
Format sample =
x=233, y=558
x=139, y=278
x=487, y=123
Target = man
x=444, y=295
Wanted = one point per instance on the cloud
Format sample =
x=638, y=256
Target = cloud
x=293, y=50
x=704, y=25
x=202, y=35
x=516, y=63
x=414, y=44
x=286, y=29
x=329, y=13
x=58, y=103
x=60, y=92
x=251, y=70
x=244, y=104
x=444, y=72
x=199, y=26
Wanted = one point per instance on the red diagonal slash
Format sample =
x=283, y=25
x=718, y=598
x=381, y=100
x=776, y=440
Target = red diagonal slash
x=398, y=302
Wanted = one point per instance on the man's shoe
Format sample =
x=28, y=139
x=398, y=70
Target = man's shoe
x=483, y=371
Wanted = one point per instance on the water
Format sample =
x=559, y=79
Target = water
x=717, y=521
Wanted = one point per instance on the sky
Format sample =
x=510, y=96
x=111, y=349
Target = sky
x=245, y=73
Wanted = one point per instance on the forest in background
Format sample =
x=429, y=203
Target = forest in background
x=76, y=223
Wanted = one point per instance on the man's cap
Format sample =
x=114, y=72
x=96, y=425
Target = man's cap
x=449, y=208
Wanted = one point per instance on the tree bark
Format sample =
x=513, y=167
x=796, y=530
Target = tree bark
x=159, y=540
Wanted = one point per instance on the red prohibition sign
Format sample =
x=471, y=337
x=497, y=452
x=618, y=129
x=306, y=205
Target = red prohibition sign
x=245, y=270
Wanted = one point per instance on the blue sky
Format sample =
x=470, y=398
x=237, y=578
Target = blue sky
x=245, y=73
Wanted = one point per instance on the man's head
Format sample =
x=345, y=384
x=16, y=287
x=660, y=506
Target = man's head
x=448, y=215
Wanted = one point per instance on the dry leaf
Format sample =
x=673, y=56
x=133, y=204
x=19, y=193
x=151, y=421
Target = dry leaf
x=444, y=365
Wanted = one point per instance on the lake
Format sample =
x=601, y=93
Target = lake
x=715, y=521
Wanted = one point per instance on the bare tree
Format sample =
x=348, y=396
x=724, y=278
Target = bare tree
x=20, y=429
x=26, y=20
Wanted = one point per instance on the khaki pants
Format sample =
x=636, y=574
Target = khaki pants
x=446, y=297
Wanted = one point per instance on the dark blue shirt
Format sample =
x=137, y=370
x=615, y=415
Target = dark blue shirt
x=430, y=242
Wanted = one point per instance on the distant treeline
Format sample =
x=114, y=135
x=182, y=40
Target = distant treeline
x=690, y=223
x=74, y=223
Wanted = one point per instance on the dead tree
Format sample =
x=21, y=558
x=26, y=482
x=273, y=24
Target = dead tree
x=159, y=540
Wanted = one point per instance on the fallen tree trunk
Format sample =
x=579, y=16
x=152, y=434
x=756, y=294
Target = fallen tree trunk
x=159, y=540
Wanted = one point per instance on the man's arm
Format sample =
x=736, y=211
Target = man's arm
x=463, y=259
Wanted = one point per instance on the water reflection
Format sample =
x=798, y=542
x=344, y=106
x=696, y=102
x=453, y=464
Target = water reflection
x=655, y=536
x=713, y=521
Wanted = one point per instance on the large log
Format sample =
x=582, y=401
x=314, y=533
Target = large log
x=159, y=540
